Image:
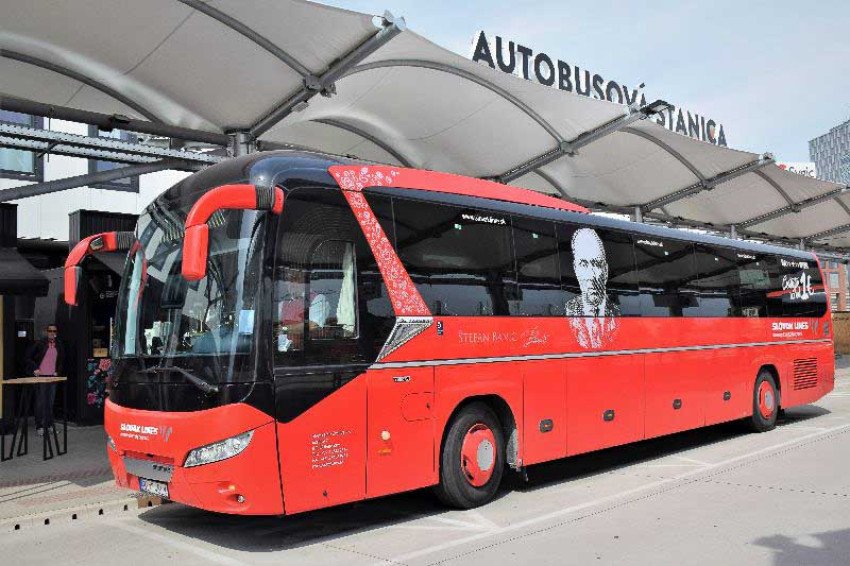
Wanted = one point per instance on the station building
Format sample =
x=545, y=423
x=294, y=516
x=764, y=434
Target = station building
x=38, y=233
x=831, y=154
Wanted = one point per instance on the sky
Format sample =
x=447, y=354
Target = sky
x=775, y=74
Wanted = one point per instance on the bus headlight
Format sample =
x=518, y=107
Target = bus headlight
x=218, y=451
x=111, y=443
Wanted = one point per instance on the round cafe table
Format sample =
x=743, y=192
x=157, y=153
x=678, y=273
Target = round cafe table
x=25, y=390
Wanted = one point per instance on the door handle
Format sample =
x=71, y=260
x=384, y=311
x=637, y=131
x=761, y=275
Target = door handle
x=401, y=378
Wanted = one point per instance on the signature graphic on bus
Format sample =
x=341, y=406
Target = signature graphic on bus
x=592, y=314
x=799, y=285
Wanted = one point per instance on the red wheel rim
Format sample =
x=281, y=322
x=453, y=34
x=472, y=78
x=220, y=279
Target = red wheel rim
x=767, y=399
x=478, y=455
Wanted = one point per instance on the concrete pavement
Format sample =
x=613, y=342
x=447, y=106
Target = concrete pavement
x=714, y=496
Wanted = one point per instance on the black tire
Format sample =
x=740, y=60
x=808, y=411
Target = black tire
x=759, y=422
x=454, y=488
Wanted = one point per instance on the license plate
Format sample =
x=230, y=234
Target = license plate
x=153, y=487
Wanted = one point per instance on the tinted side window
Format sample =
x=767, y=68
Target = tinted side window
x=717, y=287
x=666, y=270
x=460, y=259
x=598, y=271
x=330, y=303
x=796, y=288
x=754, y=278
x=538, y=272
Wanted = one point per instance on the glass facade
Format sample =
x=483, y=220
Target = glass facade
x=831, y=154
x=19, y=163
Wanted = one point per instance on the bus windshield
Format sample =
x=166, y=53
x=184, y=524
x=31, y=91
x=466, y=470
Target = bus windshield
x=165, y=317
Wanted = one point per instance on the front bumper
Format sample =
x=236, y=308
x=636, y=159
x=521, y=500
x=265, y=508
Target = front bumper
x=157, y=443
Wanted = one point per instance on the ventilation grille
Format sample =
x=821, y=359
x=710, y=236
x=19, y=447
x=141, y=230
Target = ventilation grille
x=805, y=373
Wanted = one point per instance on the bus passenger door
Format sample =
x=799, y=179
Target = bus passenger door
x=604, y=402
x=400, y=430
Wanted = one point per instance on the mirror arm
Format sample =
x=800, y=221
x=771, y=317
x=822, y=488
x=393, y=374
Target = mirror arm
x=230, y=197
x=98, y=243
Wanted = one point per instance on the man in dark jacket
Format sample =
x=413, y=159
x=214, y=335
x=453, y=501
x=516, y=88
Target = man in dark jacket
x=45, y=358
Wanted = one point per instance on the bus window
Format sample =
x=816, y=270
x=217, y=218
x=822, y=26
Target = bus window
x=796, y=288
x=666, y=271
x=460, y=259
x=538, y=273
x=598, y=271
x=330, y=303
x=754, y=284
x=718, y=283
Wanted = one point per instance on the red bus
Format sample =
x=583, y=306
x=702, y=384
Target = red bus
x=297, y=331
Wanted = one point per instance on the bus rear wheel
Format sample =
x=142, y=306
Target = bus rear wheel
x=472, y=459
x=765, y=403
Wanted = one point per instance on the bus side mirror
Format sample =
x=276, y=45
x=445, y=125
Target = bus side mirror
x=104, y=242
x=196, y=243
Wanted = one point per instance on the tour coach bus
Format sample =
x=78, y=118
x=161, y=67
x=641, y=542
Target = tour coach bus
x=298, y=331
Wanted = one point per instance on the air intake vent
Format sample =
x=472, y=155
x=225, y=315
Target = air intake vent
x=805, y=373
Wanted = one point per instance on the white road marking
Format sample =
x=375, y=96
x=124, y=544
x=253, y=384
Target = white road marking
x=694, y=461
x=210, y=555
x=476, y=522
x=561, y=513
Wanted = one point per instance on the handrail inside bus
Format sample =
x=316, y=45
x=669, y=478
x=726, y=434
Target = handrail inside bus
x=98, y=243
x=233, y=197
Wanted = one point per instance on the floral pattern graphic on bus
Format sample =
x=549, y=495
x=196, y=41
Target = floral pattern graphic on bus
x=592, y=314
x=405, y=299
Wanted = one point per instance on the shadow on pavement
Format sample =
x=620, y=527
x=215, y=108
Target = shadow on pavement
x=268, y=534
x=833, y=548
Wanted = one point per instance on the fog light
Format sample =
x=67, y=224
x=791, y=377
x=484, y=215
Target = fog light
x=240, y=499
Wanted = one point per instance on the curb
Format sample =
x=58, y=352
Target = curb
x=132, y=504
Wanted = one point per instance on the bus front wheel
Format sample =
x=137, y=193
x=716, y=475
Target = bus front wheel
x=765, y=402
x=472, y=459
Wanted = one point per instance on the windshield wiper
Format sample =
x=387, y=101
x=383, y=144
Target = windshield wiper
x=204, y=386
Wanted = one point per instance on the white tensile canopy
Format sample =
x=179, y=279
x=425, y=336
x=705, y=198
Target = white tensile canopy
x=294, y=72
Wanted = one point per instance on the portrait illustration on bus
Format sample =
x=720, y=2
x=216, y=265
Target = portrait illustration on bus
x=591, y=313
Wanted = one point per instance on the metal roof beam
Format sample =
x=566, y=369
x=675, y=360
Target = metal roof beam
x=108, y=122
x=763, y=161
x=367, y=136
x=775, y=186
x=249, y=33
x=466, y=75
x=669, y=149
x=826, y=233
x=28, y=191
x=793, y=208
x=324, y=84
x=585, y=138
x=77, y=76
x=107, y=149
x=683, y=222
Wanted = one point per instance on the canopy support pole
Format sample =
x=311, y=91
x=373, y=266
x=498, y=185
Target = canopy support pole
x=763, y=161
x=28, y=191
x=638, y=215
x=324, y=83
x=586, y=138
x=242, y=143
